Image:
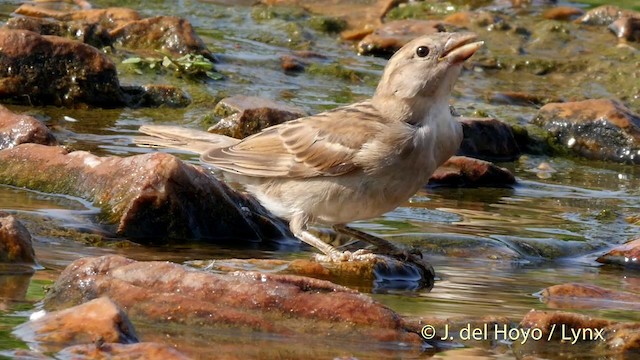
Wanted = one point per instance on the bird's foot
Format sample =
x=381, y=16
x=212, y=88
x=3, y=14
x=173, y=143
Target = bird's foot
x=340, y=256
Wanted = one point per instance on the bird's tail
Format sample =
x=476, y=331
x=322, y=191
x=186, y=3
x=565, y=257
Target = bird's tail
x=176, y=137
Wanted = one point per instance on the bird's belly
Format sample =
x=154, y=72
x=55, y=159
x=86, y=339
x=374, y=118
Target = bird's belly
x=337, y=200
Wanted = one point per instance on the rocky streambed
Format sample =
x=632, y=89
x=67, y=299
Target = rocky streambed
x=112, y=249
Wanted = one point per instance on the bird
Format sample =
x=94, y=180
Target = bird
x=354, y=162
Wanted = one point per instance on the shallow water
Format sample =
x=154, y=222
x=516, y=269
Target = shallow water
x=493, y=249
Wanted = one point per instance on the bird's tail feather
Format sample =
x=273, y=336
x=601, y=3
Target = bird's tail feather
x=176, y=137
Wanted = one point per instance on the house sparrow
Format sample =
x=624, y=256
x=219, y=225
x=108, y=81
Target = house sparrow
x=354, y=162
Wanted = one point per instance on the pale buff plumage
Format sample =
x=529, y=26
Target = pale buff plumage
x=354, y=162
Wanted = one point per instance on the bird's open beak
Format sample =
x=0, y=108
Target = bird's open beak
x=460, y=48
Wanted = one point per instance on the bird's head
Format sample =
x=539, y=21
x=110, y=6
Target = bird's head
x=426, y=67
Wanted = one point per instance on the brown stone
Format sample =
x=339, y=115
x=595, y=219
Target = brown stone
x=18, y=129
x=562, y=13
x=163, y=293
x=488, y=139
x=546, y=321
x=247, y=115
x=97, y=320
x=15, y=241
x=462, y=171
x=37, y=69
x=599, y=129
x=479, y=18
x=627, y=255
x=391, y=36
x=145, y=350
x=587, y=296
x=106, y=16
x=148, y=196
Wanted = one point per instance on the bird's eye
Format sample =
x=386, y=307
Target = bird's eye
x=422, y=51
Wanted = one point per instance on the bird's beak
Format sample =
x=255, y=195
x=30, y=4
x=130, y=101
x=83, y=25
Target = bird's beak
x=460, y=48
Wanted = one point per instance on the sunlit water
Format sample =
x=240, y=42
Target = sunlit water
x=492, y=249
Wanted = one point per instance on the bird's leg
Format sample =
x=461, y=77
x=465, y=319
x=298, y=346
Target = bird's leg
x=298, y=226
x=384, y=246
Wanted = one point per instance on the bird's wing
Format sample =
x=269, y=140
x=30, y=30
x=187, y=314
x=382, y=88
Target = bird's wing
x=181, y=138
x=321, y=145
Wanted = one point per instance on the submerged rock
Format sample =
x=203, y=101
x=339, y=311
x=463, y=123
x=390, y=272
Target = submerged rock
x=488, y=139
x=462, y=171
x=164, y=293
x=144, y=350
x=18, y=129
x=563, y=331
x=598, y=129
x=15, y=241
x=587, y=296
x=562, y=13
x=247, y=115
x=98, y=320
x=626, y=255
x=148, y=197
x=626, y=28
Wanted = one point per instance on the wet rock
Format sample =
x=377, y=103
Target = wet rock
x=562, y=13
x=563, y=331
x=597, y=129
x=627, y=255
x=145, y=350
x=247, y=115
x=626, y=28
x=462, y=171
x=488, y=139
x=114, y=26
x=15, y=241
x=291, y=64
x=605, y=15
x=148, y=197
x=37, y=69
x=18, y=129
x=390, y=37
x=381, y=273
x=587, y=296
x=521, y=98
x=98, y=320
x=484, y=19
x=92, y=34
x=164, y=33
x=164, y=293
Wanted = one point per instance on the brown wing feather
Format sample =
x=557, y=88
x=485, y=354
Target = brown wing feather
x=320, y=145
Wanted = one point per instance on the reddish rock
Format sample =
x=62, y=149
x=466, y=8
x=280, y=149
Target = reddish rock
x=546, y=321
x=291, y=64
x=15, y=241
x=247, y=115
x=98, y=320
x=72, y=73
x=390, y=37
x=163, y=293
x=479, y=18
x=488, y=139
x=107, y=17
x=145, y=350
x=606, y=14
x=627, y=255
x=597, y=129
x=19, y=129
x=93, y=34
x=462, y=171
x=562, y=13
x=146, y=196
x=587, y=296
